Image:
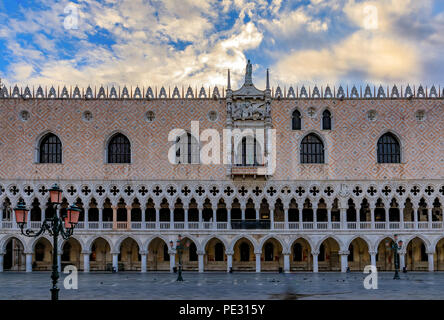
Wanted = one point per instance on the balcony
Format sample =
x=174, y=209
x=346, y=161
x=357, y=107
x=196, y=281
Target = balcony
x=253, y=170
x=250, y=224
x=243, y=225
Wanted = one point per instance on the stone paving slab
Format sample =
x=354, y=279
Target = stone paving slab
x=221, y=286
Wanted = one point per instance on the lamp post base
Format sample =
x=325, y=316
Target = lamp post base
x=396, y=277
x=54, y=294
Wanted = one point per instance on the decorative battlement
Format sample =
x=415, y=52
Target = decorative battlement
x=278, y=93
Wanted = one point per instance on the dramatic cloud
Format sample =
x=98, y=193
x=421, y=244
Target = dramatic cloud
x=182, y=42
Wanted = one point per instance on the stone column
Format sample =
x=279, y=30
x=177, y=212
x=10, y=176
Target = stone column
x=100, y=217
x=343, y=218
x=229, y=260
x=171, y=217
x=1, y=217
x=329, y=217
x=415, y=216
x=300, y=208
x=185, y=214
x=429, y=218
x=143, y=256
x=243, y=212
x=200, y=256
x=114, y=217
x=128, y=217
x=358, y=217
x=285, y=217
x=372, y=217
x=315, y=218
x=431, y=264
x=28, y=262
x=157, y=219
x=1, y=260
x=387, y=217
x=214, y=218
x=315, y=255
x=258, y=262
x=257, y=213
x=29, y=216
x=143, y=218
x=172, y=261
x=401, y=217
x=229, y=218
x=85, y=261
x=344, y=260
x=86, y=218
x=271, y=219
x=373, y=257
x=200, y=217
x=116, y=261
x=286, y=262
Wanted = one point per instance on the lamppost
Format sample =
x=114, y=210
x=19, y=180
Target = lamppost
x=179, y=248
x=395, y=246
x=54, y=226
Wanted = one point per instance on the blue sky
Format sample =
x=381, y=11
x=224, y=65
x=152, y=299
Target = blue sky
x=194, y=42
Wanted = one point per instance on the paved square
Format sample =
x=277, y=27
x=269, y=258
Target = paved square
x=215, y=286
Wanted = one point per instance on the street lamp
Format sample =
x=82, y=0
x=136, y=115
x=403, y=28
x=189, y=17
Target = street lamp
x=395, y=246
x=179, y=248
x=54, y=226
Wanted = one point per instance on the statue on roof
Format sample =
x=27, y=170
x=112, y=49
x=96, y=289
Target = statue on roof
x=249, y=73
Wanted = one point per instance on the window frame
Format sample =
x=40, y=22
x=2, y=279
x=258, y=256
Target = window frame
x=301, y=150
x=43, y=139
x=108, y=145
x=383, y=156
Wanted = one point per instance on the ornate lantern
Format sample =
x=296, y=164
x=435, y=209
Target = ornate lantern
x=55, y=194
x=72, y=216
x=21, y=213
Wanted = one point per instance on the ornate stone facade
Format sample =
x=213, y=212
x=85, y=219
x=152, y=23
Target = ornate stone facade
x=323, y=216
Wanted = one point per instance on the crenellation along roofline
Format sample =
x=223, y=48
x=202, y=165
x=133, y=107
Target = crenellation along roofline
x=214, y=93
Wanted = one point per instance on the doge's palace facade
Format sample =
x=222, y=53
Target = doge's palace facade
x=333, y=174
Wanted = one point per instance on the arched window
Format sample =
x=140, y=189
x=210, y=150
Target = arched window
x=296, y=123
x=187, y=149
x=312, y=149
x=244, y=252
x=219, y=252
x=50, y=149
x=326, y=120
x=166, y=256
x=297, y=252
x=119, y=149
x=269, y=254
x=249, y=152
x=389, y=150
x=193, y=252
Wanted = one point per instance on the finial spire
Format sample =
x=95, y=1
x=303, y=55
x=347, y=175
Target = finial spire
x=229, y=81
x=249, y=74
x=268, y=79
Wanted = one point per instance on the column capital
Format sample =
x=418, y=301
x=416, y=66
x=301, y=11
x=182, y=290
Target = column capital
x=128, y=207
x=372, y=253
x=114, y=252
x=114, y=207
x=344, y=252
x=258, y=252
x=229, y=252
x=200, y=252
x=315, y=253
x=86, y=252
x=143, y=252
